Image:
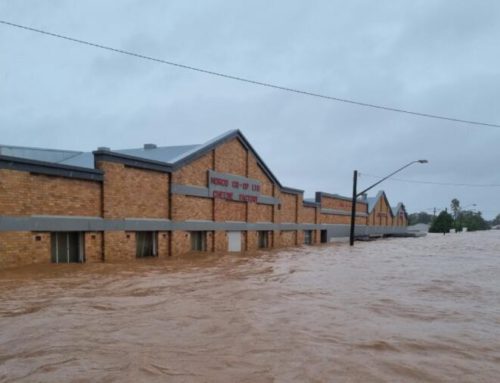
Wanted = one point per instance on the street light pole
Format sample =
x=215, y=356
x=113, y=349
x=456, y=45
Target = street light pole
x=353, y=208
x=355, y=195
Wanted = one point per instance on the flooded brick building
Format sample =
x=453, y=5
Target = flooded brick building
x=64, y=206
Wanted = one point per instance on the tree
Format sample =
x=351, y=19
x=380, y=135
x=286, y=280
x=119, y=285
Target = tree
x=442, y=224
x=421, y=217
x=473, y=221
x=496, y=221
x=455, y=207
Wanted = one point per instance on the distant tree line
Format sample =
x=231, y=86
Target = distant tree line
x=458, y=219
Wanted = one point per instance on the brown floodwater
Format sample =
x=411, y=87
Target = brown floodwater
x=394, y=310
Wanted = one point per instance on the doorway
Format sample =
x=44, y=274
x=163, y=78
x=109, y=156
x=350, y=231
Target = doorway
x=145, y=244
x=324, y=236
x=234, y=241
x=67, y=247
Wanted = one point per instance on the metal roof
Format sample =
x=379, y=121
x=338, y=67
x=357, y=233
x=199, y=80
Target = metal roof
x=372, y=201
x=37, y=154
x=396, y=209
x=167, y=154
x=165, y=158
x=82, y=159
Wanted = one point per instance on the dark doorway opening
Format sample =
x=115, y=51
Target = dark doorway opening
x=199, y=240
x=324, y=236
x=67, y=247
x=308, y=237
x=263, y=239
x=145, y=244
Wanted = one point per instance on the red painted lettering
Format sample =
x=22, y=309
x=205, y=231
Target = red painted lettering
x=219, y=181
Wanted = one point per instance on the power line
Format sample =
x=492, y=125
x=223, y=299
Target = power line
x=254, y=82
x=435, y=183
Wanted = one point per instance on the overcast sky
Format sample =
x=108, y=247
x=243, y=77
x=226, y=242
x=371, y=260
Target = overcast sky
x=439, y=57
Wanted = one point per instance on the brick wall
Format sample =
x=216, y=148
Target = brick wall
x=229, y=210
x=300, y=237
x=119, y=246
x=163, y=244
x=307, y=214
x=260, y=213
x=399, y=219
x=187, y=207
x=93, y=247
x=231, y=157
x=251, y=240
x=337, y=219
x=23, y=193
x=288, y=210
x=288, y=238
x=256, y=172
x=23, y=248
x=381, y=214
x=221, y=241
x=181, y=242
x=131, y=192
x=195, y=173
x=328, y=202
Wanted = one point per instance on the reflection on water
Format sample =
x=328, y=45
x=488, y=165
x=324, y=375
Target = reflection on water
x=401, y=310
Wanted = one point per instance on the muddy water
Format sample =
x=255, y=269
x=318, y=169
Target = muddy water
x=398, y=310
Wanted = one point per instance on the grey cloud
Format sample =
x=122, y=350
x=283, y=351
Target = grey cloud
x=436, y=57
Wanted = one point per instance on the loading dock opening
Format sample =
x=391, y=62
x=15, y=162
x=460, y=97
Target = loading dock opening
x=146, y=244
x=324, y=236
x=234, y=241
x=199, y=240
x=67, y=247
x=263, y=239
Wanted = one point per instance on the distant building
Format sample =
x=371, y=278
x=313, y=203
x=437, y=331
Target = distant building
x=67, y=206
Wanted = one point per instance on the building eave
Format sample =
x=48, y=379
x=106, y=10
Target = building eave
x=50, y=168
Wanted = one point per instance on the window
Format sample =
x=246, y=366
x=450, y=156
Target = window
x=145, y=244
x=199, y=240
x=308, y=237
x=67, y=247
x=263, y=239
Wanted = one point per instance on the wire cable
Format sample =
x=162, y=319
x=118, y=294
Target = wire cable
x=250, y=81
x=435, y=183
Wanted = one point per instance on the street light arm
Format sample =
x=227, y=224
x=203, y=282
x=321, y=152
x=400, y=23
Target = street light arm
x=390, y=175
x=355, y=195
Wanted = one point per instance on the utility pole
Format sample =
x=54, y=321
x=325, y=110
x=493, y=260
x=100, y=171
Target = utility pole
x=353, y=208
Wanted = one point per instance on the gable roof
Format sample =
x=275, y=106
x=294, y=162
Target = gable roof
x=319, y=196
x=167, y=154
x=200, y=150
x=397, y=208
x=165, y=158
x=373, y=201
